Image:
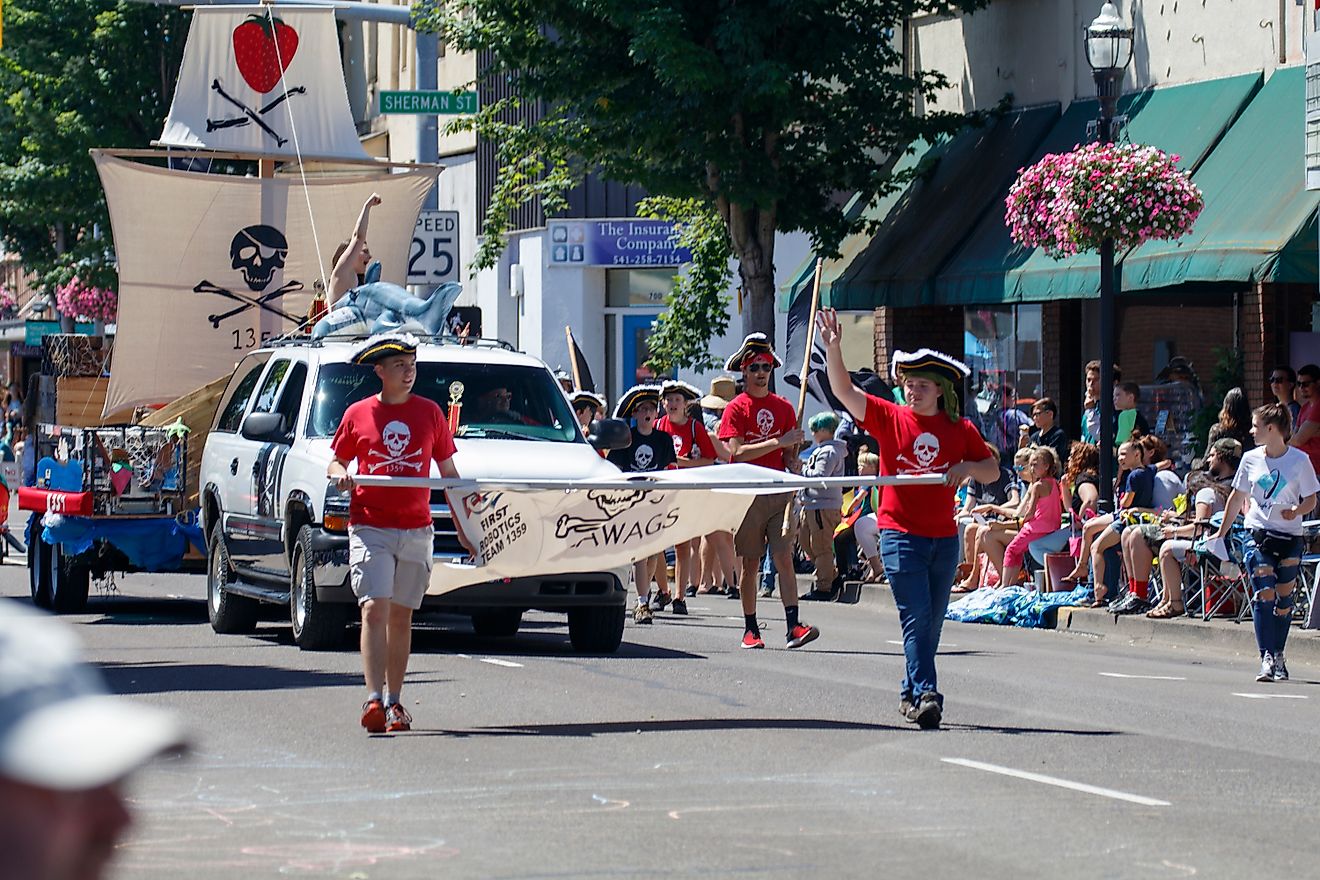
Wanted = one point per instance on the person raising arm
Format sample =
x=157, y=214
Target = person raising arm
x=353, y=256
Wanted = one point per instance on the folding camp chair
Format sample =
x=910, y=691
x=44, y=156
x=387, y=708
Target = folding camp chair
x=1225, y=586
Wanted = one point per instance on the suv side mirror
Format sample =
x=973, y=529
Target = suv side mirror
x=608, y=434
x=264, y=427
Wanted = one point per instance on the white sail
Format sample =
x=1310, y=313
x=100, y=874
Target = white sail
x=212, y=265
x=265, y=81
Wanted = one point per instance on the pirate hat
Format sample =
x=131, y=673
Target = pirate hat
x=755, y=343
x=385, y=345
x=926, y=360
x=582, y=398
x=635, y=395
x=674, y=386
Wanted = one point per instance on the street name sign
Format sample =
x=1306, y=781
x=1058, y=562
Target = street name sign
x=422, y=102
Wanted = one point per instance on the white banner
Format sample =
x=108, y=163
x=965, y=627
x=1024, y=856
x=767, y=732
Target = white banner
x=212, y=266
x=553, y=526
x=518, y=533
x=264, y=80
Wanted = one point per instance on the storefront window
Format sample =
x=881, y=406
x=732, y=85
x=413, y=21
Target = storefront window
x=1002, y=345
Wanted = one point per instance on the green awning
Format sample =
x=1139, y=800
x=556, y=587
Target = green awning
x=852, y=245
x=1187, y=120
x=1259, y=222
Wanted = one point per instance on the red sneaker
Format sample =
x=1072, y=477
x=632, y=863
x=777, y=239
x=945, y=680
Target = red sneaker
x=801, y=635
x=752, y=640
x=373, y=716
x=399, y=719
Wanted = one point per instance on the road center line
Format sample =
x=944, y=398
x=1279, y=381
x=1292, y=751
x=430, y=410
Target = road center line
x=1272, y=696
x=1146, y=677
x=492, y=661
x=1060, y=783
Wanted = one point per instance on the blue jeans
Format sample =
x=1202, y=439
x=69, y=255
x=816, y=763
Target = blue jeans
x=920, y=572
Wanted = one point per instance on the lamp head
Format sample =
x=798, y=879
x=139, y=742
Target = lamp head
x=1108, y=41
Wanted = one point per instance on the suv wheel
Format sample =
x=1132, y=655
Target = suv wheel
x=317, y=626
x=596, y=630
x=229, y=614
x=498, y=623
x=38, y=562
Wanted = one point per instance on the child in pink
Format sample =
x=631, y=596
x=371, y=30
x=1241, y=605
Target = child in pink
x=1041, y=514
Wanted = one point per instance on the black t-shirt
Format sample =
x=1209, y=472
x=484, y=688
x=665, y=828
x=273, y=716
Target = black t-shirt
x=654, y=452
x=996, y=492
x=1056, y=438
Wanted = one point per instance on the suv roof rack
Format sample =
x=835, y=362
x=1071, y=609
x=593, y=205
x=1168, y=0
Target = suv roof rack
x=437, y=339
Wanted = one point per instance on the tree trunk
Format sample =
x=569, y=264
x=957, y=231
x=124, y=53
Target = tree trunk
x=752, y=231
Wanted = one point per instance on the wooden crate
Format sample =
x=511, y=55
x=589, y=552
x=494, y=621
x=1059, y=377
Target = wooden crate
x=79, y=400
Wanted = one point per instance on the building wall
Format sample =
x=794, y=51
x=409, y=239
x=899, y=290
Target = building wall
x=1198, y=332
x=1032, y=49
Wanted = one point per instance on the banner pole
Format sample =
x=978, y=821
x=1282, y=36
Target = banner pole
x=806, y=369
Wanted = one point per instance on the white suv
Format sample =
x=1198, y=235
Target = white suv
x=276, y=527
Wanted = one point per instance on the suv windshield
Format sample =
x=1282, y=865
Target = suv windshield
x=497, y=400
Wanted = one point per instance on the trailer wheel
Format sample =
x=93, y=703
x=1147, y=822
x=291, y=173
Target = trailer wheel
x=229, y=614
x=317, y=626
x=70, y=581
x=38, y=563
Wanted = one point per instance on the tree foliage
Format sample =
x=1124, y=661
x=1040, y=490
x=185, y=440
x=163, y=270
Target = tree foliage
x=763, y=111
x=76, y=74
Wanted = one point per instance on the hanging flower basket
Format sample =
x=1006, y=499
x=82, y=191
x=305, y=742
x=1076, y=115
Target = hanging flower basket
x=8, y=302
x=1071, y=202
x=82, y=301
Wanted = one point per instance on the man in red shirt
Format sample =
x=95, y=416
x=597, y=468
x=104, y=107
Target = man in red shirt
x=394, y=433
x=918, y=537
x=761, y=428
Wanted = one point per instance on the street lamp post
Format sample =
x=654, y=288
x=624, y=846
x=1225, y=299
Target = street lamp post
x=1108, y=51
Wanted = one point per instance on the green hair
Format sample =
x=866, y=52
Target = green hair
x=826, y=421
x=946, y=389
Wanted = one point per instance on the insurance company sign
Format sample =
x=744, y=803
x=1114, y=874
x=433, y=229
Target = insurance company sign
x=615, y=243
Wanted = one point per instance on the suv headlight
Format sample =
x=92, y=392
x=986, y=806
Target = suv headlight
x=334, y=512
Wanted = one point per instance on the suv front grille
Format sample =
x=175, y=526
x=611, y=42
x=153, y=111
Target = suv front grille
x=446, y=541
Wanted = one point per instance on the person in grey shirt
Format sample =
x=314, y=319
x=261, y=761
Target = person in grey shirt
x=822, y=509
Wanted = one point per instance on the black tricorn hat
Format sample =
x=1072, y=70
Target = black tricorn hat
x=584, y=398
x=754, y=343
x=927, y=360
x=675, y=386
x=635, y=395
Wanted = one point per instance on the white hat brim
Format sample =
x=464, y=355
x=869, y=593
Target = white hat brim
x=87, y=742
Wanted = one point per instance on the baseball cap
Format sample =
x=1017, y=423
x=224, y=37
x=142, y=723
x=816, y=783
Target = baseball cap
x=59, y=727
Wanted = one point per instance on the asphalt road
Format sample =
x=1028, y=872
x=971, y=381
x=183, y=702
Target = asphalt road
x=683, y=755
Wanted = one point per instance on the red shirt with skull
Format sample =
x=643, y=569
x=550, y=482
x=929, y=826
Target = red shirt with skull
x=915, y=444
x=757, y=419
x=690, y=438
x=387, y=440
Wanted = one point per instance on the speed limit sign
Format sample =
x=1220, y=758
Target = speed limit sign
x=433, y=254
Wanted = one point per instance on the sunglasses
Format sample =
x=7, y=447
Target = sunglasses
x=759, y=368
x=1306, y=383
x=1279, y=380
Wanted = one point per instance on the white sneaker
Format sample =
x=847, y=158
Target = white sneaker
x=1280, y=668
x=1267, y=668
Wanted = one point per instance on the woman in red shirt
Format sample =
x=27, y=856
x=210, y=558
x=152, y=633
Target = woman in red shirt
x=918, y=536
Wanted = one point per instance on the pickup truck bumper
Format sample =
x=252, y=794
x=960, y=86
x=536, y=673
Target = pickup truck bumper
x=553, y=592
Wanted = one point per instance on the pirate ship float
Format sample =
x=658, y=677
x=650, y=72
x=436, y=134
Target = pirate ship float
x=211, y=266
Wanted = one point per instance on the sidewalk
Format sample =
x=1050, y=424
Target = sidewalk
x=1218, y=634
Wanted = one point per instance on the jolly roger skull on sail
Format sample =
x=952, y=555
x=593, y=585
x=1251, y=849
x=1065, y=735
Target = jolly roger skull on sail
x=258, y=254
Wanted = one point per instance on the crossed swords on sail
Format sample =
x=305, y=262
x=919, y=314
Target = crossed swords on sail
x=248, y=302
x=250, y=116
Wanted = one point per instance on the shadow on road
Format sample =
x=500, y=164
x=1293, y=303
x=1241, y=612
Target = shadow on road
x=158, y=678
x=602, y=728
x=136, y=611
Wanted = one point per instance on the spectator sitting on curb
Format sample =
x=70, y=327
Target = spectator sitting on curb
x=1098, y=534
x=1040, y=514
x=1080, y=482
x=66, y=749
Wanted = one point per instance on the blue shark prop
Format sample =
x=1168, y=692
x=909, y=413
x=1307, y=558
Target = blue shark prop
x=379, y=306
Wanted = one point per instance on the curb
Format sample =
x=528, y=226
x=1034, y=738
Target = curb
x=1136, y=629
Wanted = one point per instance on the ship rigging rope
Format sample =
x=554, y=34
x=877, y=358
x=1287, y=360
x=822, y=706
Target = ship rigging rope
x=297, y=149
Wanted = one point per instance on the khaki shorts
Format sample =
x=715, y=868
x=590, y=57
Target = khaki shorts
x=764, y=526
x=392, y=564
